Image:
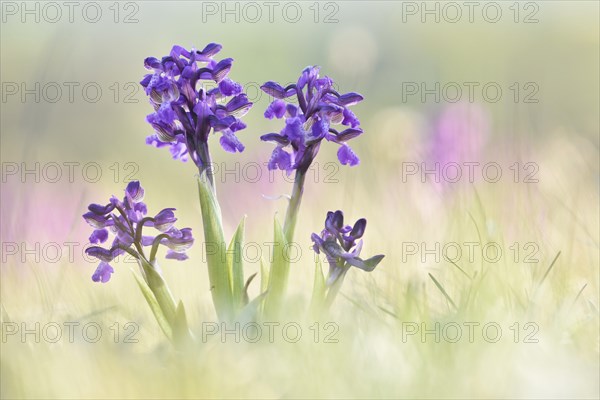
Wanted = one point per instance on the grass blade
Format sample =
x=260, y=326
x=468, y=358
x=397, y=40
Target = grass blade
x=442, y=290
x=459, y=268
x=549, y=268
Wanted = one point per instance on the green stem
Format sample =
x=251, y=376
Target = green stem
x=280, y=266
x=335, y=289
x=291, y=215
x=204, y=155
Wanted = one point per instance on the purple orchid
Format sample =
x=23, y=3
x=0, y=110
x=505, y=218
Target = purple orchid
x=308, y=123
x=186, y=110
x=342, y=245
x=126, y=219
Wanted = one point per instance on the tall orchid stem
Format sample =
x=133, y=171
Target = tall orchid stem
x=218, y=272
x=207, y=166
x=280, y=265
x=291, y=215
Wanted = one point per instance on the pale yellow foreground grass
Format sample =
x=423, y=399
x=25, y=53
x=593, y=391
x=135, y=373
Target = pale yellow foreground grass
x=371, y=358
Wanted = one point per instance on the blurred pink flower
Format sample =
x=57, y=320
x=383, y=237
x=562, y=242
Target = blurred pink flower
x=41, y=223
x=460, y=134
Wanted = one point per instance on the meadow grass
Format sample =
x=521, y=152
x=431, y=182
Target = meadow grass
x=375, y=355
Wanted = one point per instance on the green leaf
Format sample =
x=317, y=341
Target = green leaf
x=218, y=272
x=264, y=282
x=319, y=288
x=278, y=276
x=163, y=322
x=159, y=288
x=250, y=312
x=264, y=276
x=182, y=336
x=235, y=264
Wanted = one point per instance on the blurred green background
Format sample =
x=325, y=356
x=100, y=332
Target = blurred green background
x=376, y=48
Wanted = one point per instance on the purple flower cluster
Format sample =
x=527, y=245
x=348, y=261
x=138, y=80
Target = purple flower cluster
x=309, y=122
x=186, y=110
x=342, y=245
x=126, y=219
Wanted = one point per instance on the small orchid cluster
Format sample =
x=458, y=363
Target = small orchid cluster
x=342, y=245
x=126, y=219
x=339, y=243
x=309, y=122
x=186, y=111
